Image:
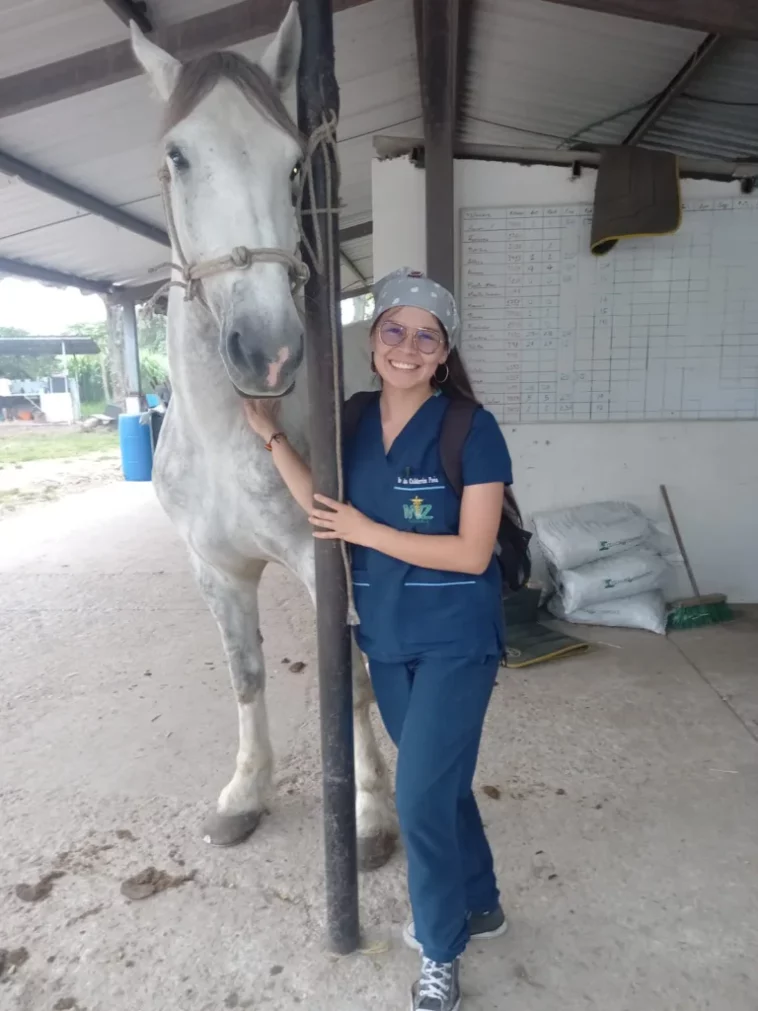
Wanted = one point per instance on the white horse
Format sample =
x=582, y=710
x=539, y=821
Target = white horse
x=231, y=154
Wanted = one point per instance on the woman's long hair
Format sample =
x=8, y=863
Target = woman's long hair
x=456, y=384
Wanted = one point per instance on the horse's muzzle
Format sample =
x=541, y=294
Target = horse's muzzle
x=258, y=373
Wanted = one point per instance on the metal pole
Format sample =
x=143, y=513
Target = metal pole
x=131, y=357
x=436, y=44
x=318, y=101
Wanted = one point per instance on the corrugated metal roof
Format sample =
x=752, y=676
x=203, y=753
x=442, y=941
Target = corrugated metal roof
x=34, y=33
x=541, y=72
x=541, y=75
x=106, y=142
x=708, y=124
x=360, y=252
x=550, y=76
x=88, y=247
x=40, y=346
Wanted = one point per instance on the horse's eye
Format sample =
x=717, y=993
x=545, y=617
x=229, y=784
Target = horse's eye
x=176, y=156
x=295, y=173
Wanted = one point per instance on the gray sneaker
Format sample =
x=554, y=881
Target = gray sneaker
x=438, y=988
x=482, y=927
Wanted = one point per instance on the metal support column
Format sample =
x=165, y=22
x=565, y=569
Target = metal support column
x=131, y=357
x=318, y=103
x=436, y=42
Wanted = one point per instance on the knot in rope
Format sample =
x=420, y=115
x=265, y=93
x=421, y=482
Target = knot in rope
x=241, y=256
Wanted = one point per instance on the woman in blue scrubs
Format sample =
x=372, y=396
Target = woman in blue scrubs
x=428, y=593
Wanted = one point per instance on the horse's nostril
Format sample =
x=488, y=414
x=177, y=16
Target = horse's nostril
x=234, y=346
x=246, y=358
x=258, y=362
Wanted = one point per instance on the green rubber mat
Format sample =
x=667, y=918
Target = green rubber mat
x=534, y=642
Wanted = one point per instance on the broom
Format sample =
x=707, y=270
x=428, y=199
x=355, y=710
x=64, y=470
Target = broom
x=693, y=612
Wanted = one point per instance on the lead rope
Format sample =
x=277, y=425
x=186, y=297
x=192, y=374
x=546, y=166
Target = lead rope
x=324, y=137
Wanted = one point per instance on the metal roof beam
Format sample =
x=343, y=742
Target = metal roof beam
x=364, y=289
x=37, y=347
x=463, y=60
x=359, y=231
x=131, y=10
x=436, y=24
x=658, y=107
x=689, y=167
x=38, y=179
x=33, y=272
x=717, y=17
x=45, y=182
x=219, y=29
x=353, y=266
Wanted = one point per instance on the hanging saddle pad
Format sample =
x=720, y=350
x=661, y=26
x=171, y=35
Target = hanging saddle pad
x=636, y=194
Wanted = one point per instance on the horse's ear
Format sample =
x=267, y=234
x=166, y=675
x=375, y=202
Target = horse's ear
x=162, y=69
x=281, y=59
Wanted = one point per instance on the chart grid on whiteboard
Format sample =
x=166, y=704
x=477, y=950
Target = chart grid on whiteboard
x=659, y=329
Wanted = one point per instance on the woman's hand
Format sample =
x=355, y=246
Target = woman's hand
x=262, y=416
x=340, y=522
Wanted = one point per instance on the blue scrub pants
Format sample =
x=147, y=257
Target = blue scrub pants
x=433, y=709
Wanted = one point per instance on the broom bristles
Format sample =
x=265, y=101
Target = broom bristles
x=695, y=615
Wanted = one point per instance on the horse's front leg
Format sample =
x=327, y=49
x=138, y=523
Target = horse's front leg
x=234, y=604
x=375, y=812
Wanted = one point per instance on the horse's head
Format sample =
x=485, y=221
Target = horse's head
x=231, y=160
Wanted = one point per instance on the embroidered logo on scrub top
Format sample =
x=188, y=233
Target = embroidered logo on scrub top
x=418, y=510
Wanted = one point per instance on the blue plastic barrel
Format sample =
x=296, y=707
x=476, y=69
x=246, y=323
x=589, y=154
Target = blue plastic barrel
x=136, y=448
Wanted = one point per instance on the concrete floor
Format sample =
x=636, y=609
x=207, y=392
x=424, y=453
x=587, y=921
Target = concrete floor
x=626, y=832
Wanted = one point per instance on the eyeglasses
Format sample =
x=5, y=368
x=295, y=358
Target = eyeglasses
x=394, y=334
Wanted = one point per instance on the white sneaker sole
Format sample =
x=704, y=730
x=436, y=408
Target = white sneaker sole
x=410, y=939
x=455, y=1007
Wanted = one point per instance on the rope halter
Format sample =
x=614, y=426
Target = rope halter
x=240, y=258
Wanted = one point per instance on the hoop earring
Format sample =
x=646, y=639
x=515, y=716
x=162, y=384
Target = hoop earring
x=445, y=377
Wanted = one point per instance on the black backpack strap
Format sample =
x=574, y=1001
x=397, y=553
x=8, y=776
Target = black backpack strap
x=512, y=547
x=352, y=412
x=456, y=426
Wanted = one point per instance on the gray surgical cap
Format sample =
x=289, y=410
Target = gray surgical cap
x=411, y=287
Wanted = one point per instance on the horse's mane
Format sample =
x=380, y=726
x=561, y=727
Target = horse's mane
x=199, y=77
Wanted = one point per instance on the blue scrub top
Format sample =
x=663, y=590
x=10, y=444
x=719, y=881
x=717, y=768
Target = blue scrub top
x=405, y=611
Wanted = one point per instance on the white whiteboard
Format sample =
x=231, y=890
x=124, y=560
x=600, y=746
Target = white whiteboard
x=659, y=329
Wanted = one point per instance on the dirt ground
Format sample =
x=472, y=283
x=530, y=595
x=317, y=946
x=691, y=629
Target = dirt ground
x=624, y=820
x=94, y=461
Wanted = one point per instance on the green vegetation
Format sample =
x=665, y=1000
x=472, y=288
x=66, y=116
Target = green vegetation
x=26, y=446
x=91, y=407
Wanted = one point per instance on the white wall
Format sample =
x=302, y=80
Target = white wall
x=58, y=408
x=710, y=468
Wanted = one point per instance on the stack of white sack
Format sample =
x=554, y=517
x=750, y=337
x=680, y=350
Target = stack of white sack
x=604, y=566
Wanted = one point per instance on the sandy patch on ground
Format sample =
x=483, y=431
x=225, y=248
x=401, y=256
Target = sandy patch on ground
x=24, y=484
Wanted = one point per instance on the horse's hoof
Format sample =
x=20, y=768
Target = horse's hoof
x=230, y=829
x=375, y=850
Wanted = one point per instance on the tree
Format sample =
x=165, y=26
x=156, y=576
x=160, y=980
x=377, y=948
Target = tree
x=153, y=359
x=115, y=352
x=109, y=337
x=151, y=331
x=85, y=369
